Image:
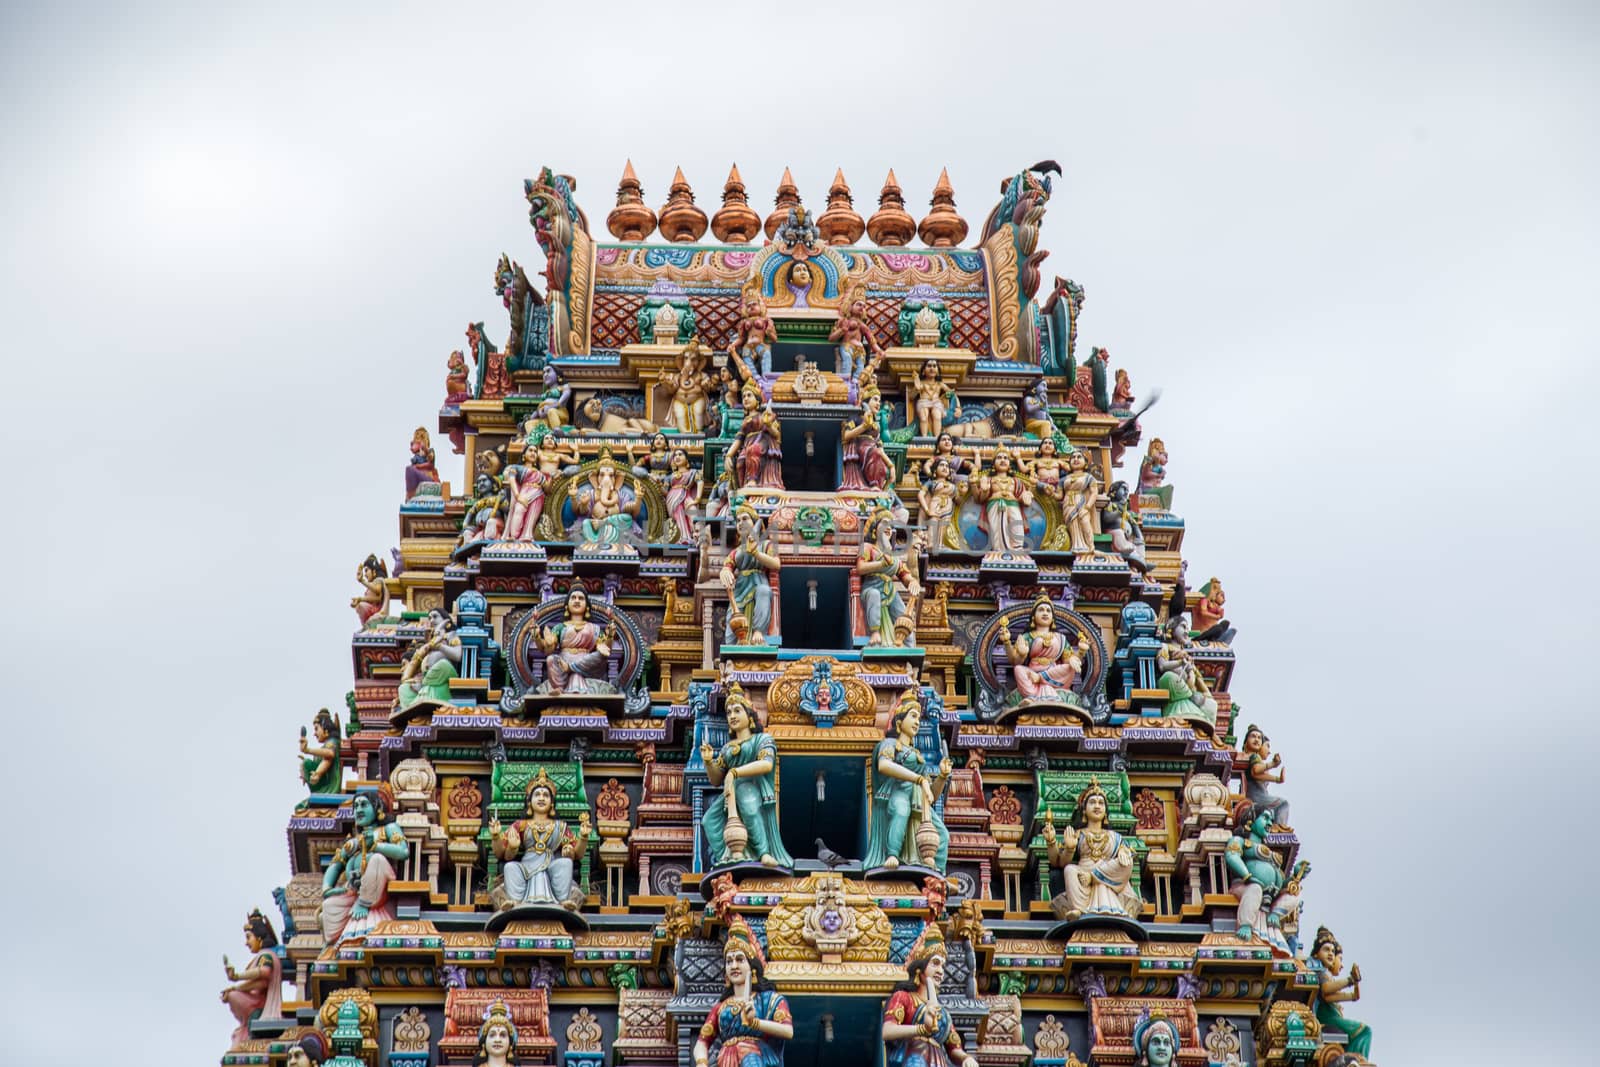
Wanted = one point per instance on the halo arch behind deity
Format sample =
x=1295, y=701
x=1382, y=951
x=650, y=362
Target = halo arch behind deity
x=992, y=667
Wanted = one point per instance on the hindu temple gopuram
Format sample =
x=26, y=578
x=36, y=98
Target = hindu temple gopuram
x=789, y=657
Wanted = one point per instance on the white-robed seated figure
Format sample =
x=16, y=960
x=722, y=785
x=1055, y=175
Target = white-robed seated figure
x=1097, y=862
x=537, y=852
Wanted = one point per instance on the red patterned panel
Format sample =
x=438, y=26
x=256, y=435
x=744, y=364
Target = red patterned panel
x=715, y=318
x=616, y=320
x=970, y=319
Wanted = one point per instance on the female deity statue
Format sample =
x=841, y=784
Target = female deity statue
x=690, y=386
x=420, y=470
x=1263, y=766
x=437, y=659
x=759, y=456
x=494, y=380
x=1119, y=520
x=799, y=284
x=551, y=410
x=1036, y=411
x=527, y=482
x=1098, y=863
x=319, y=767
x=879, y=569
x=742, y=823
x=1155, y=1040
x=1188, y=696
x=486, y=512
x=866, y=465
x=1327, y=959
x=744, y=575
x=906, y=828
x=917, y=1029
x=934, y=400
x=1046, y=470
x=683, y=487
x=937, y=499
x=1153, y=468
x=577, y=651
x=1003, y=496
x=374, y=596
x=853, y=333
x=1044, y=667
x=259, y=992
x=753, y=337
x=497, y=1038
x=945, y=448
x=537, y=852
x=355, y=889
x=752, y=1019
x=1078, y=491
x=610, y=516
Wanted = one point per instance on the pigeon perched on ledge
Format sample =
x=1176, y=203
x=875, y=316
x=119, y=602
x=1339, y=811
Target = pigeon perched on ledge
x=830, y=857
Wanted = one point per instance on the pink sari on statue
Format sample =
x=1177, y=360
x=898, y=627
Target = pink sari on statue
x=268, y=1002
x=1048, y=673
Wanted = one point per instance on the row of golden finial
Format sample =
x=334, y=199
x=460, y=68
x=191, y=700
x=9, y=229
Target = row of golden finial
x=736, y=222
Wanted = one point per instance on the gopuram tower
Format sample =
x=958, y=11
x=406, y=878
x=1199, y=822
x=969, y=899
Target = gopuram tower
x=789, y=658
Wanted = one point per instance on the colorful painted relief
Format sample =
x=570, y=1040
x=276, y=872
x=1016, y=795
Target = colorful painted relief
x=789, y=671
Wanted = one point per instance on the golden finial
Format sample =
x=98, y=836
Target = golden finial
x=788, y=197
x=942, y=227
x=891, y=225
x=631, y=219
x=839, y=224
x=681, y=221
x=735, y=222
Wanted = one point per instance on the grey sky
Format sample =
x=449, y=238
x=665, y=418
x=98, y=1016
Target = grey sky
x=1354, y=244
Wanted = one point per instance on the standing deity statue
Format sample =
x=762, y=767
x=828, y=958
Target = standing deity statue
x=757, y=455
x=742, y=823
x=1262, y=765
x=1046, y=470
x=745, y=577
x=538, y=851
x=374, y=596
x=918, y=1031
x=888, y=621
x=1327, y=960
x=319, y=764
x=753, y=338
x=527, y=482
x=577, y=651
x=1003, y=495
x=683, y=485
x=1078, y=491
x=1097, y=862
x=865, y=464
x=854, y=335
x=1044, y=666
x=433, y=662
x=937, y=499
x=690, y=386
x=906, y=826
x=751, y=1020
x=355, y=889
x=936, y=401
x=259, y=989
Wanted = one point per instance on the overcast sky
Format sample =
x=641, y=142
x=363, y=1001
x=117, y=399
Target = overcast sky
x=1355, y=245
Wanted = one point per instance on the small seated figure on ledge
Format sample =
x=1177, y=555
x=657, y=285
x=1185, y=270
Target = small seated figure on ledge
x=1209, y=621
x=1263, y=766
x=374, y=598
x=1327, y=958
x=319, y=764
x=259, y=992
x=435, y=660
